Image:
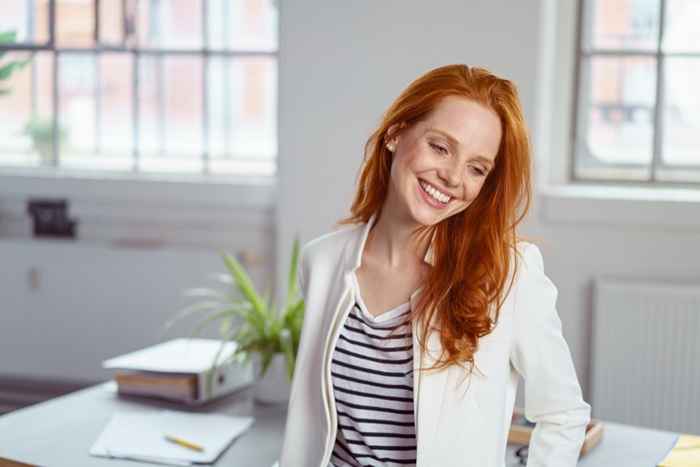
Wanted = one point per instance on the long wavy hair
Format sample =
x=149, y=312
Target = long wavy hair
x=473, y=249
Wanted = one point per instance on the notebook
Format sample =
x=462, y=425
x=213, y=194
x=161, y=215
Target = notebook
x=141, y=436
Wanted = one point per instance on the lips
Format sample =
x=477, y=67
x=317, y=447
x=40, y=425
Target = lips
x=432, y=201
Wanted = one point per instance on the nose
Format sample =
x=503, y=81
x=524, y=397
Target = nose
x=450, y=175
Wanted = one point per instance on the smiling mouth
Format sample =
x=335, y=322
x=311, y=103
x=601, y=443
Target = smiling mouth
x=427, y=188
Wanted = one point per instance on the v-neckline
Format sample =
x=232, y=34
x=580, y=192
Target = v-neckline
x=385, y=315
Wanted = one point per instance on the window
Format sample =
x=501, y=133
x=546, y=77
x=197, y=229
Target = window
x=141, y=86
x=638, y=110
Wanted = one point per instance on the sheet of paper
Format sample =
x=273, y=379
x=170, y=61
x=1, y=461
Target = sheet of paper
x=142, y=435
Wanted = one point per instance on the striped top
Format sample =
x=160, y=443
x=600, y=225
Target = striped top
x=372, y=374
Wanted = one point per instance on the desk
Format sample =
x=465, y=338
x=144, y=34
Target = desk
x=60, y=432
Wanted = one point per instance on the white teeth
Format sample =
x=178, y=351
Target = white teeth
x=435, y=193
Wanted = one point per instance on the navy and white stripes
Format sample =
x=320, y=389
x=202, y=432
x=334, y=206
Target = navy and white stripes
x=372, y=375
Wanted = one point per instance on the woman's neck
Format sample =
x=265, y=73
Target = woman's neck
x=393, y=245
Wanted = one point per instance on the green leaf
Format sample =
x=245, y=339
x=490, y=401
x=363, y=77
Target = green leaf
x=245, y=285
x=265, y=360
x=225, y=326
x=11, y=67
x=7, y=70
x=8, y=37
x=292, y=282
x=288, y=349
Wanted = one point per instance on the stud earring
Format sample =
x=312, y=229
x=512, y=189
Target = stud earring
x=391, y=147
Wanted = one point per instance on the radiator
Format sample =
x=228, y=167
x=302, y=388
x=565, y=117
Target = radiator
x=645, y=367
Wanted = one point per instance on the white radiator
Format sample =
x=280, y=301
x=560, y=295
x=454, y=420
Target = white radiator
x=645, y=367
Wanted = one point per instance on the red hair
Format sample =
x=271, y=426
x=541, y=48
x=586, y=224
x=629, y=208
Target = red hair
x=473, y=249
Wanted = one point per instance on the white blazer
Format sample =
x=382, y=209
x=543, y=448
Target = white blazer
x=457, y=424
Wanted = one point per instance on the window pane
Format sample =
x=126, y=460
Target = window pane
x=170, y=24
x=623, y=24
x=75, y=23
x=243, y=24
x=15, y=112
x=243, y=109
x=111, y=22
x=76, y=84
x=30, y=22
x=681, y=143
x=170, y=133
x=26, y=140
x=115, y=128
x=681, y=32
x=617, y=116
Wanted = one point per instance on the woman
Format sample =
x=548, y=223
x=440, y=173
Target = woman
x=422, y=313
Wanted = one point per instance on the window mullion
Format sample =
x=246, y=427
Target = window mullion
x=97, y=95
x=205, y=87
x=135, y=81
x=226, y=80
x=55, y=105
x=659, y=97
x=96, y=22
x=31, y=19
x=156, y=15
x=52, y=24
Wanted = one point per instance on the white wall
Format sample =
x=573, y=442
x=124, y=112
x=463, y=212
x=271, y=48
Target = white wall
x=65, y=306
x=340, y=66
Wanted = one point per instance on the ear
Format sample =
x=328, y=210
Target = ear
x=393, y=132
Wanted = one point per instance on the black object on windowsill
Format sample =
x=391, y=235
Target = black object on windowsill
x=50, y=218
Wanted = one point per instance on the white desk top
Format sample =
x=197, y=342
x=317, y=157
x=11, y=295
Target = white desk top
x=60, y=432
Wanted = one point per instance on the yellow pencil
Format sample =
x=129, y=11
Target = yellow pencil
x=184, y=443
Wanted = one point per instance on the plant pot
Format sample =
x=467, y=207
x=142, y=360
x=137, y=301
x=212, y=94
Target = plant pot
x=45, y=151
x=273, y=387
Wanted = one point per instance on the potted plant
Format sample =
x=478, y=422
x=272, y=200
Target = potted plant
x=40, y=130
x=12, y=66
x=266, y=336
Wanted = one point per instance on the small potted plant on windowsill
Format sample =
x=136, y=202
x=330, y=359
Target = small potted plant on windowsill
x=266, y=336
x=40, y=130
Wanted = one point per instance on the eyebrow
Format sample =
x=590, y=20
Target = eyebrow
x=453, y=141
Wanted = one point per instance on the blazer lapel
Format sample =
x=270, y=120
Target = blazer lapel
x=429, y=388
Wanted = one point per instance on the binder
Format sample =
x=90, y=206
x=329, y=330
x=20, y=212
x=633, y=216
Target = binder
x=180, y=370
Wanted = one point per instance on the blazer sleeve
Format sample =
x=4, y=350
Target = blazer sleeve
x=553, y=399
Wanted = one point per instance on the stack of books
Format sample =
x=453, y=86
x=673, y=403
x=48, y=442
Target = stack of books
x=181, y=370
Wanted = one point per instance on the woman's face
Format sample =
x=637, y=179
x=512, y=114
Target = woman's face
x=452, y=151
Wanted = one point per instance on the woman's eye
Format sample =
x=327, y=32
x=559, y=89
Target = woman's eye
x=477, y=170
x=438, y=148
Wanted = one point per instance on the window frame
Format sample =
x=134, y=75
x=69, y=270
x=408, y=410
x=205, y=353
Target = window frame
x=579, y=122
x=191, y=210
x=129, y=46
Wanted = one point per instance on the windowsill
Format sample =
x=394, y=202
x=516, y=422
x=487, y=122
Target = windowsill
x=209, y=190
x=659, y=208
x=142, y=209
